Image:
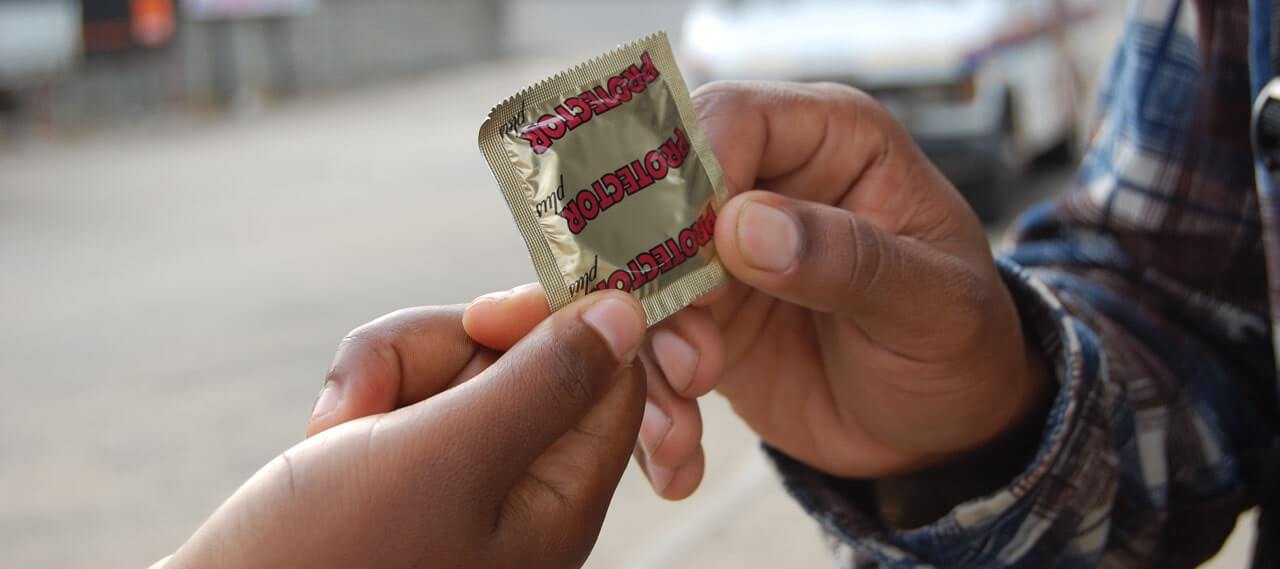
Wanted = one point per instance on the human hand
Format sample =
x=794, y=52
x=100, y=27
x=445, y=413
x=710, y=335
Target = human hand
x=866, y=332
x=428, y=450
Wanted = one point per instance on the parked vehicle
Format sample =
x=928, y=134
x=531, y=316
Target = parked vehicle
x=38, y=39
x=984, y=86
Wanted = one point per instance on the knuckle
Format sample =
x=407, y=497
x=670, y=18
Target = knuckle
x=719, y=96
x=869, y=258
x=972, y=300
x=572, y=376
x=841, y=93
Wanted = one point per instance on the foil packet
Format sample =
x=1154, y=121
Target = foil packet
x=611, y=180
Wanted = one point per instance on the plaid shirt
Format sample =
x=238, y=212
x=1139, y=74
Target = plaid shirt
x=1147, y=287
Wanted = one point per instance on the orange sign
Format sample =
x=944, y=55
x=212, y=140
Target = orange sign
x=152, y=21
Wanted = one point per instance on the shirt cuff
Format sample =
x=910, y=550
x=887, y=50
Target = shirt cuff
x=1073, y=474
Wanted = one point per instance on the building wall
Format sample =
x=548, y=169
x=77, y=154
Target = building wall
x=340, y=43
x=585, y=26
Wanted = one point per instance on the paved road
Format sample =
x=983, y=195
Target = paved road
x=171, y=297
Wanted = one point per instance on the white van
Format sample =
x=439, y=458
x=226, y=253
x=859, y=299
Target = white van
x=984, y=86
x=38, y=40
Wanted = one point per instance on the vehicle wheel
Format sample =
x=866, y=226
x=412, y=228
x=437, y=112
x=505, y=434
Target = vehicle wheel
x=1070, y=150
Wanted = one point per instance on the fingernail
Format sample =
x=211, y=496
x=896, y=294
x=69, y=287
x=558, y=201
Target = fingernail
x=676, y=357
x=328, y=400
x=618, y=324
x=768, y=238
x=493, y=297
x=659, y=476
x=654, y=429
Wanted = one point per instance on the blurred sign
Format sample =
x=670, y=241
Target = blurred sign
x=229, y=9
x=115, y=25
x=153, y=22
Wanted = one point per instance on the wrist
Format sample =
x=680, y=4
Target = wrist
x=921, y=497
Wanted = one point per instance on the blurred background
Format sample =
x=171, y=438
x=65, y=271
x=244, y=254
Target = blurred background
x=199, y=198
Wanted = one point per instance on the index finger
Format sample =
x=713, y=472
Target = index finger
x=535, y=393
x=809, y=141
x=411, y=353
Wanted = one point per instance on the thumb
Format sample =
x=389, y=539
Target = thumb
x=510, y=414
x=566, y=493
x=831, y=260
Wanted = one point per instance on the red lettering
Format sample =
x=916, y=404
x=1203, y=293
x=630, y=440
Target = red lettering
x=588, y=203
x=582, y=110
x=688, y=243
x=637, y=175
x=702, y=230
x=605, y=97
x=650, y=274
x=664, y=258
x=627, y=179
x=677, y=256
x=571, y=215
x=657, y=164
x=536, y=138
x=682, y=141
x=553, y=126
x=577, y=110
x=643, y=179
x=672, y=151
x=637, y=280
x=570, y=120
x=620, y=280
x=596, y=105
x=606, y=200
x=612, y=180
x=646, y=65
x=635, y=78
x=619, y=90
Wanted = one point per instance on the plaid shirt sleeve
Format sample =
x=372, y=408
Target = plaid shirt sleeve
x=1146, y=287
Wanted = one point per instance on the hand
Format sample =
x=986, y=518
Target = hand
x=428, y=450
x=866, y=331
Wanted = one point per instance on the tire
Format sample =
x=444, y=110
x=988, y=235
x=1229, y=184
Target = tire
x=990, y=198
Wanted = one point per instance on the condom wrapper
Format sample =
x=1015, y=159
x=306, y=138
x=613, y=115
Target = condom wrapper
x=611, y=181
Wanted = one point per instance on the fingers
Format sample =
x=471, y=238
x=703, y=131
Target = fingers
x=566, y=494
x=403, y=357
x=829, y=144
x=683, y=359
x=781, y=131
x=501, y=319
x=688, y=350
x=412, y=354
x=530, y=397
x=670, y=436
x=832, y=260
